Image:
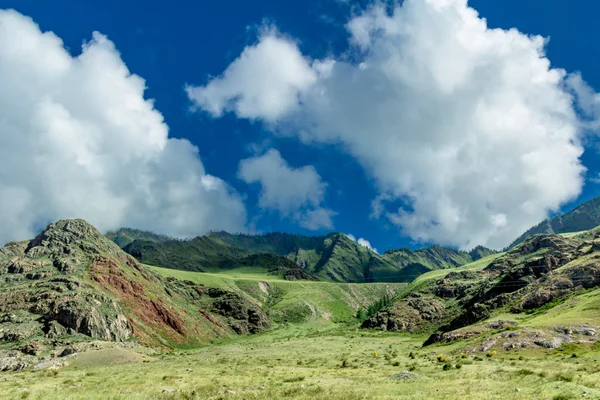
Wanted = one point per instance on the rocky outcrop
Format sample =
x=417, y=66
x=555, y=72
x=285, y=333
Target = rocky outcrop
x=410, y=315
x=244, y=316
x=97, y=318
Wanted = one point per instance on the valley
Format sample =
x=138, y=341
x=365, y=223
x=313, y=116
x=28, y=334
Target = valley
x=135, y=315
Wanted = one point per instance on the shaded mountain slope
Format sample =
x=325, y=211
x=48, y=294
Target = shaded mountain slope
x=122, y=237
x=334, y=257
x=584, y=217
x=70, y=281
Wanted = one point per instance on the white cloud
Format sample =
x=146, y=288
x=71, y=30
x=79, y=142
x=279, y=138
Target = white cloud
x=318, y=218
x=362, y=242
x=264, y=82
x=296, y=192
x=469, y=126
x=78, y=139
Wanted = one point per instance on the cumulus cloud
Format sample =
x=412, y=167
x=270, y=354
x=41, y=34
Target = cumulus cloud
x=293, y=192
x=78, y=139
x=362, y=242
x=469, y=127
x=264, y=82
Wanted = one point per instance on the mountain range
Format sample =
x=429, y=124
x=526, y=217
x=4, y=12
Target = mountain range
x=71, y=284
x=334, y=258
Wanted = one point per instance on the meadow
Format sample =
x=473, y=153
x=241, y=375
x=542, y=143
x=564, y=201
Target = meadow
x=308, y=362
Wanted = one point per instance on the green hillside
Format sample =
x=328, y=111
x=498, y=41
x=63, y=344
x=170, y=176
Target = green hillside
x=293, y=302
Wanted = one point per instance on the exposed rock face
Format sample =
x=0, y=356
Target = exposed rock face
x=86, y=317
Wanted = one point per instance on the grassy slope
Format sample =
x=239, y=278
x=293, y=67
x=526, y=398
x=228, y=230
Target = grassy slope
x=296, y=301
x=474, y=266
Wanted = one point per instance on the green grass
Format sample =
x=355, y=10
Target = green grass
x=474, y=266
x=307, y=363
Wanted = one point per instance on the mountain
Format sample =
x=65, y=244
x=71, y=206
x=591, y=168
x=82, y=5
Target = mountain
x=334, y=257
x=584, y=217
x=331, y=258
x=198, y=254
x=124, y=236
x=536, y=277
x=72, y=282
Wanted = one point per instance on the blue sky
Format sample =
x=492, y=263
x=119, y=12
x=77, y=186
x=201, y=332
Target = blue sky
x=191, y=42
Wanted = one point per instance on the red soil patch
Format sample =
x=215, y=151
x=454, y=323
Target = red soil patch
x=108, y=274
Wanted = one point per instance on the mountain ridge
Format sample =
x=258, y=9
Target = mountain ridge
x=333, y=257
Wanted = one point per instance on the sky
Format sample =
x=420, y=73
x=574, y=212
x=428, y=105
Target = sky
x=399, y=124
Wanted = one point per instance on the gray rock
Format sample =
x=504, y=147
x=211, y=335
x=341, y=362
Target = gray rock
x=405, y=376
x=549, y=344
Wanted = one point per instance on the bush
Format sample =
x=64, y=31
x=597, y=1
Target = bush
x=447, y=367
x=411, y=355
x=525, y=372
x=396, y=363
x=458, y=366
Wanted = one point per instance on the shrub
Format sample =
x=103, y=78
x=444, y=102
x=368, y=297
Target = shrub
x=447, y=367
x=525, y=372
x=458, y=366
x=411, y=355
x=396, y=363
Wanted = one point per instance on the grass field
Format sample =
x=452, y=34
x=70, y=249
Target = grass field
x=307, y=363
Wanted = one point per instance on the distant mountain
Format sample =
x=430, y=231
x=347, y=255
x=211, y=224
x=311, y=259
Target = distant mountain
x=198, y=254
x=124, y=236
x=418, y=262
x=584, y=217
x=334, y=257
